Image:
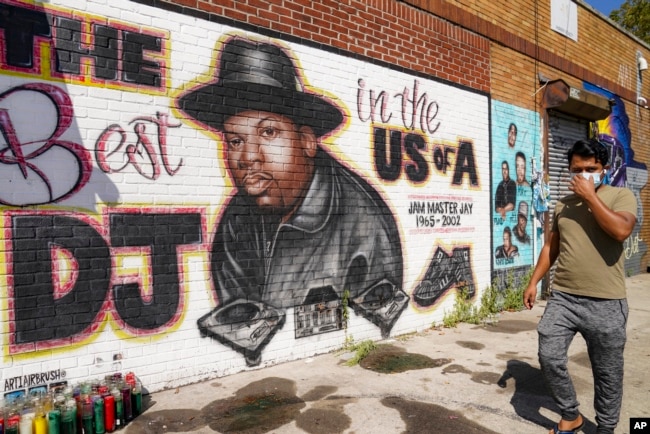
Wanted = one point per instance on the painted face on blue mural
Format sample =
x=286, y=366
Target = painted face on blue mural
x=270, y=158
x=505, y=171
x=520, y=167
x=507, y=242
x=512, y=135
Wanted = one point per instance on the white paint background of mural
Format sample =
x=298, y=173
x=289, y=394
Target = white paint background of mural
x=179, y=355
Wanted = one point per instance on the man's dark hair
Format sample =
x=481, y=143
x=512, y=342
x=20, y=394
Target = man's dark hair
x=506, y=163
x=508, y=231
x=520, y=155
x=512, y=125
x=589, y=148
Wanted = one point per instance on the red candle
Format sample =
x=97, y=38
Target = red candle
x=109, y=413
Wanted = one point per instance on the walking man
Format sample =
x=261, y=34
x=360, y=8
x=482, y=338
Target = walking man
x=588, y=288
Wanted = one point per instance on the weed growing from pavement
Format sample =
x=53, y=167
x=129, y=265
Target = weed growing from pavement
x=492, y=302
x=362, y=349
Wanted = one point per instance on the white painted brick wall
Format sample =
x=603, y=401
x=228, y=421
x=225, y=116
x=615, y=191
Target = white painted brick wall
x=176, y=354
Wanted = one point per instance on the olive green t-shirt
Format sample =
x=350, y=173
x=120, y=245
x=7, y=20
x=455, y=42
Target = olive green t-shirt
x=590, y=262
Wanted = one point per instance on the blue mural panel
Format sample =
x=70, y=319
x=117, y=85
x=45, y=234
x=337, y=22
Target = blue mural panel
x=515, y=152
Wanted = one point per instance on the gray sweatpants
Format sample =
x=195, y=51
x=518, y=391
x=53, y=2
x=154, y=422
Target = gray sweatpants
x=602, y=324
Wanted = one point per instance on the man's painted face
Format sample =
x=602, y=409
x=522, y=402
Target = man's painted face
x=512, y=136
x=270, y=158
x=520, y=164
x=522, y=222
x=505, y=171
x=506, y=240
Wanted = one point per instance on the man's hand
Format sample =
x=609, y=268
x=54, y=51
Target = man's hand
x=582, y=187
x=530, y=295
x=617, y=224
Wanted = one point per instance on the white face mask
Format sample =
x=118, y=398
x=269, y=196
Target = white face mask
x=585, y=175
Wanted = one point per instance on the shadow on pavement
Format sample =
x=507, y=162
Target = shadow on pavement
x=531, y=395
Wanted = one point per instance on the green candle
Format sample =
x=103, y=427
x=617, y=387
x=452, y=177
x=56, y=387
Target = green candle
x=54, y=421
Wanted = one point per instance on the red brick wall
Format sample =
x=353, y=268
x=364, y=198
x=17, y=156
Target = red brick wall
x=384, y=30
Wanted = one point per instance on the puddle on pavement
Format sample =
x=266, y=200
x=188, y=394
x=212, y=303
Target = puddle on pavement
x=326, y=416
x=507, y=355
x=388, y=359
x=456, y=369
x=260, y=407
x=485, y=377
x=512, y=326
x=471, y=345
x=319, y=392
x=481, y=377
x=432, y=418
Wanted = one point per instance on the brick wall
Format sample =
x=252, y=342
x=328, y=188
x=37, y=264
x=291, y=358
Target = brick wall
x=337, y=198
x=155, y=223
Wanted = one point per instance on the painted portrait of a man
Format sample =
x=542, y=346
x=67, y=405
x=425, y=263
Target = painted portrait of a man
x=301, y=228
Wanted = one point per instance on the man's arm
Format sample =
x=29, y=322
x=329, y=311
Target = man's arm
x=547, y=257
x=507, y=208
x=617, y=224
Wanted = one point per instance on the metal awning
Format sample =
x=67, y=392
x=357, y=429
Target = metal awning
x=580, y=103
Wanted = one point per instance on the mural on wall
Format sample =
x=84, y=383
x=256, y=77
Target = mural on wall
x=302, y=229
x=515, y=154
x=64, y=267
x=252, y=203
x=624, y=170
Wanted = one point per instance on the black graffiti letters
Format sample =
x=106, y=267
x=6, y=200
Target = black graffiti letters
x=389, y=162
x=46, y=310
x=31, y=380
x=137, y=68
x=441, y=207
x=431, y=221
x=416, y=169
x=417, y=208
x=21, y=26
x=441, y=213
x=71, y=51
x=40, y=313
x=388, y=169
x=163, y=233
x=81, y=46
x=465, y=164
x=389, y=157
x=110, y=47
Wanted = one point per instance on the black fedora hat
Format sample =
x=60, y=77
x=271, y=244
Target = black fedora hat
x=260, y=76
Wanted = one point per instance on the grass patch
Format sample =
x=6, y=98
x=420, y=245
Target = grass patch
x=492, y=302
x=362, y=349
